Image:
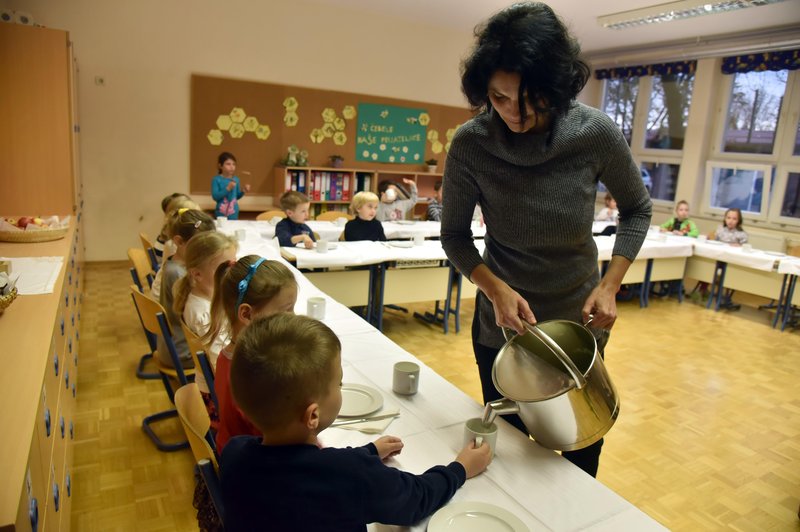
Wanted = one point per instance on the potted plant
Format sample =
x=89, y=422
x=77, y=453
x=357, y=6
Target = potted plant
x=336, y=161
x=432, y=163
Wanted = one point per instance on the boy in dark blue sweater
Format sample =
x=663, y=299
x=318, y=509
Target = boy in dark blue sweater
x=293, y=230
x=286, y=376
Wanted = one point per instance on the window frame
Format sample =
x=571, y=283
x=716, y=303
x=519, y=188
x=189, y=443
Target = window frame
x=767, y=169
x=781, y=179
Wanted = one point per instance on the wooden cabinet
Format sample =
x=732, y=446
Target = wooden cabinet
x=40, y=333
x=333, y=188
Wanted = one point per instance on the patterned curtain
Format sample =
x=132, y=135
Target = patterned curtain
x=661, y=69
x=787, y=60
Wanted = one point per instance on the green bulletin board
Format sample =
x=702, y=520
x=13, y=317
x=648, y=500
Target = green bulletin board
x=391, y=134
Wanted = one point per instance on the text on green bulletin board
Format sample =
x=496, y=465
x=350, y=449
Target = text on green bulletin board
x=391, y=134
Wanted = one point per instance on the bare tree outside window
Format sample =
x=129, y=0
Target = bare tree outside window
x=668, y=115
x=619, y=103
x=755, y=106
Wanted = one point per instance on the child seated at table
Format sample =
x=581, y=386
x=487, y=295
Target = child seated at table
x=390, y=208
x=243, y=290
x=435, y=206
x=164, y=246
x=293, y=230
x=364, y=226
x=731, y=231
x=680, y=224
x=609, y=213
x=287, y=378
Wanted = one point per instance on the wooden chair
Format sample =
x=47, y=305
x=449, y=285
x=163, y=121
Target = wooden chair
x=201, y=361
x=152, y=339
x=147, y=244
x=210, y=477
x=332, y=216
x=269, y=215
x=196, y=423
x=141, y=270
x=154, y=320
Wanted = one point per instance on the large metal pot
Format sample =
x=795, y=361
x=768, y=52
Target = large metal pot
x=565, y=404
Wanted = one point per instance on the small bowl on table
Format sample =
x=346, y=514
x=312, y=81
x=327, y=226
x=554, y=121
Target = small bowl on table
x=7, y=299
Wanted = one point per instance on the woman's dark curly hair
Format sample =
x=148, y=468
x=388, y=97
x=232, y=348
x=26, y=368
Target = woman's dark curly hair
x=531, y=40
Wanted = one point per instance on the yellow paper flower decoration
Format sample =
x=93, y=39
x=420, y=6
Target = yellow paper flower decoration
x=339, y=124
x=215, y=137
x=316, y=135
x=237, y=114
x=447, y=146
x=224, y=122
x=263, y=132
x=250, y=123
x=339, y=138
x=328, y=115
x=424, y=119
x=451, y=133
x=291, y=119
x=433, y=135
x=437, y=147
x=328, y=130
x=349, y=112
x=290, y=103
x=236, y=131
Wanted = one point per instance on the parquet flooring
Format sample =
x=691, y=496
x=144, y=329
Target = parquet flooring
x=708, y=437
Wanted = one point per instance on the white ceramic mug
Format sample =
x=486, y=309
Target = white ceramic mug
x=221, y=221
x=702, y=238
x=241, y=234
x=316, y=308
x=475, y=432
x=405, y=379
x=322, y=246
x=419, y=240
x=341, y=222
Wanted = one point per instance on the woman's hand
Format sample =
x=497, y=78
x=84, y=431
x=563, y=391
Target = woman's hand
x=509, y=307
x=602, y=304
x=388, y=446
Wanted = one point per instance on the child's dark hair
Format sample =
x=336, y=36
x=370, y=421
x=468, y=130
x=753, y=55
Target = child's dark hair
x=185, y=223
x=291, y=199
x=384, y=185
x=282, y=363
x=437, y=186
x=528, y=39
x=738, y=214
x=265, y=282
x=168, y=199
x=224, y=156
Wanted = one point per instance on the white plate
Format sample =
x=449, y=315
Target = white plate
x=475, y=517
x=404, y=222
x=401, y=243
x=358, y=400
x=715, y=242
x=775, y=253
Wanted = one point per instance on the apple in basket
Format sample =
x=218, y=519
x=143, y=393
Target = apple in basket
x=24, y=221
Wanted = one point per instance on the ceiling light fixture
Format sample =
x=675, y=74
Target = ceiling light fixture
x=679, y=10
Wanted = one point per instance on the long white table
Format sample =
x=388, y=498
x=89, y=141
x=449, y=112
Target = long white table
x=535, y=484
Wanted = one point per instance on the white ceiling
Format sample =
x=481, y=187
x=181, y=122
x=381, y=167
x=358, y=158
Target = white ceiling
x=581, y=17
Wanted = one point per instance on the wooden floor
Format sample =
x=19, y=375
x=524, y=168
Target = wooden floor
x=708, y=437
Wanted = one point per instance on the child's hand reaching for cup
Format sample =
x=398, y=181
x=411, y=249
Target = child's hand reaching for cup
x=475, y=459
x=307, y=242
x=388, y=446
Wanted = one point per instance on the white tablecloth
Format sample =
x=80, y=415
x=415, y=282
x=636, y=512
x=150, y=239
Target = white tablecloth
x=790, y=265
x=755, y=259
x=35, y=275
x=654, y=247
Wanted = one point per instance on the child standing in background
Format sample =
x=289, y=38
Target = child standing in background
x=364, y=226
x=225, y=187
x=731, y=231
x=253, y=286
x=269, y=483
x=680, y=224
x=435, y=206
x=185, y=223
x=193, y=294
x=392, y=209
x=293, y=230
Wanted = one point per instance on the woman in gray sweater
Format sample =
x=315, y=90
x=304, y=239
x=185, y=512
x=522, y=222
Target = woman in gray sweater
x=532, y=158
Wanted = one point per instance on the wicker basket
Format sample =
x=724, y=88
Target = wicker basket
x=43, y=235
x=6, y=300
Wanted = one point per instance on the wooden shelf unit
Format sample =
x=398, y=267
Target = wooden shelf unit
x=341, y=183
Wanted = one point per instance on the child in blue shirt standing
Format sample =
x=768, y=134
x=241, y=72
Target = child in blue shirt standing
x=225, y=187
x=286, y=376
x=293, y=230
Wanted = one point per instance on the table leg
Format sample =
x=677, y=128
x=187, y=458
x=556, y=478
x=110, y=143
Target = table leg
x=780, y=307
x=787, y=306
x=722, y=268
x=644, y=295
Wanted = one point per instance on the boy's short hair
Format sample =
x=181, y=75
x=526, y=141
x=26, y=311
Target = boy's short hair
x=362, y=198
x=384, y=185
x=282, y=364
x=168, y=199
x=291, y=199
x=681, y=202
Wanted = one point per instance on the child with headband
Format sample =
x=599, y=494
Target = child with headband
x=248, y=288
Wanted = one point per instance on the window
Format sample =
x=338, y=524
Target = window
x=670, y=98
x=791, y=196
x=619, y=102
x=744, y=187
x=753, y=111
x=660, y=179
